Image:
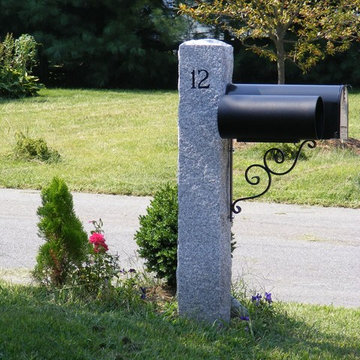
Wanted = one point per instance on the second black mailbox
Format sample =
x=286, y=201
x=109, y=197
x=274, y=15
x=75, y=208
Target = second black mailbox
x=283, y=113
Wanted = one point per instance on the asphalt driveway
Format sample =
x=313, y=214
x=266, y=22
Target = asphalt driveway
x=299, y=253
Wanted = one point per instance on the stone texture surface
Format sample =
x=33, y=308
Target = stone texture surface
x=204, y=256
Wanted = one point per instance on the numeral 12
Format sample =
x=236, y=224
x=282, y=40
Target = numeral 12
x=199, y=79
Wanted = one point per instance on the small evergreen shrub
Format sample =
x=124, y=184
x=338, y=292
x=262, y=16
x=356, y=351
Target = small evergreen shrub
x=158, y=234
x=27, y=148
x=66, y=243
x=17, y=58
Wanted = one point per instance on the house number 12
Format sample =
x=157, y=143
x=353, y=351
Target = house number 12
x=199, y=79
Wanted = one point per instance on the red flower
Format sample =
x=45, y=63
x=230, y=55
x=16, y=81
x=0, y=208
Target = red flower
x=96, y=238
x=98, y=241
x=98, y=248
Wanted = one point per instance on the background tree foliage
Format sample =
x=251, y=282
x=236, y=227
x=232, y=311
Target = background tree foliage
x=133, y=43
x=108, y=43
x=302, y=31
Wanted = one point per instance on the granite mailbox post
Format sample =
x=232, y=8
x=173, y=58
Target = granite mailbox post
x=204, y=255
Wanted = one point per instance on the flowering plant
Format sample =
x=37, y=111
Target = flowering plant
x=262, y=314
x=100, y=267
x=259, y=314
x=259, y=300
x=97, y=237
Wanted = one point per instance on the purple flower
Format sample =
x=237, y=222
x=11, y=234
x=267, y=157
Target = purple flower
x=268, y=297
x=143, y=292
x=132, y=271
x=256, y=299
x=245, y=318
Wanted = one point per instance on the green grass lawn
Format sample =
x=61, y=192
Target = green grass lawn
x=110, y=141
x=125, y=142
x=38, y=325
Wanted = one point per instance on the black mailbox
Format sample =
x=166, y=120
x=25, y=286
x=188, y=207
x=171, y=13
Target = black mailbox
x=271, y=118
x=283, y=113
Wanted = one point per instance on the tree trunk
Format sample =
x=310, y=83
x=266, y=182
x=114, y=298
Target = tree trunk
x=280, y=54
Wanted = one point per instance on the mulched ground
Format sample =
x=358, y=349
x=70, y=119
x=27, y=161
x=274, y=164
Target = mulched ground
x=351, y=143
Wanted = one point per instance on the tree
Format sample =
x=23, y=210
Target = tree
x=66, y=241
x=302, y=31
x=108, y=43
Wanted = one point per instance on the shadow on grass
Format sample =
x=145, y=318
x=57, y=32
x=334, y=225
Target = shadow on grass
x=38, y=98
x=293, y=336
x=8, y=100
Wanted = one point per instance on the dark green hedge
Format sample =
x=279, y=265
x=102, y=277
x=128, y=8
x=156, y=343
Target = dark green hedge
x=108, y=43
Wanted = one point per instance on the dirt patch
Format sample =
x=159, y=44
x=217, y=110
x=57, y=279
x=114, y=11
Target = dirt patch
x=161, y=296
x=351, y=144
x=242, y=145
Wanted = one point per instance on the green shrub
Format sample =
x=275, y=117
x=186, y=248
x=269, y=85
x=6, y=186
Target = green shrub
x=27, y=148
x=289, y=151
x=66, y=241
x=13, y=84
x=17, y=58
x=158, y=234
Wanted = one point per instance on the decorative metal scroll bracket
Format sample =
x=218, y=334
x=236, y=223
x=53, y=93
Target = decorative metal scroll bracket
x=279, y=157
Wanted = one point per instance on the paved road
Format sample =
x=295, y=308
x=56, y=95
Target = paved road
x=299, y=253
